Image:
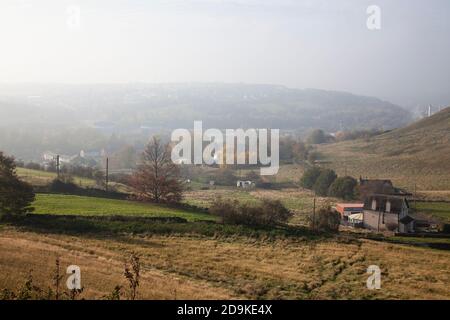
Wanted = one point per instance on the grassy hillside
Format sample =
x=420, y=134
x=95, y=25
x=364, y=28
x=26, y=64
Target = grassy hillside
x=190, y=267
x=66, y=119
x=89, y=206
x=417, y=154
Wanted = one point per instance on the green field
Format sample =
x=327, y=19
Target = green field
x=39, y=177
x=440, y=210
x=43, y=178
x=91, y=206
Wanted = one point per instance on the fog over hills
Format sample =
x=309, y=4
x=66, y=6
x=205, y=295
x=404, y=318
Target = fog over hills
x=178, y=105
x=138, y=110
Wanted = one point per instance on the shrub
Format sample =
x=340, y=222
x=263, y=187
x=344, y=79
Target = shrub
x=310, y=177
x=343, y=187
x=16, y=196
x=132, y=274
x=268, y=213
x=324, y=181
x=273, y=212
x=326, y=220
x=58, y=185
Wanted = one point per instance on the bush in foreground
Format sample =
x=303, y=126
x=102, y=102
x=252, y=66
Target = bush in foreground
x=16, y=196
x=325, y=220
x=324, y=181
x=268, y=213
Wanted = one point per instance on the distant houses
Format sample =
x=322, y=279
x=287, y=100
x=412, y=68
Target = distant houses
x=49, y=157
x=83, y=158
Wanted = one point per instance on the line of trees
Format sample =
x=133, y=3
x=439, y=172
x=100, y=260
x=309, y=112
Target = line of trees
x=325, y=182
x=267, y=213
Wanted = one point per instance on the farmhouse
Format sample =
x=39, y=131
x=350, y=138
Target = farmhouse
x=388, y=212
x=384, y=208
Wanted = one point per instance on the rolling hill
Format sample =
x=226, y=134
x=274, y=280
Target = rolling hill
x=132, y=106
x=416, y=154
x=68, y=118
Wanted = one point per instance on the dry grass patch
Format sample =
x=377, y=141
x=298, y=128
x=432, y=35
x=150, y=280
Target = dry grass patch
x=200, y=267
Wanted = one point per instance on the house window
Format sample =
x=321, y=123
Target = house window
x=388, y=206
x=374, y=204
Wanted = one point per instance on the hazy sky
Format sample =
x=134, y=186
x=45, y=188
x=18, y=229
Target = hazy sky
x=298, y=43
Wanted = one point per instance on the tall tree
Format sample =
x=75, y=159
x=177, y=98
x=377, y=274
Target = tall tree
x=324, y=181
x=310, y=176
x=157, y=179
x=343, y=187
x=16, y=196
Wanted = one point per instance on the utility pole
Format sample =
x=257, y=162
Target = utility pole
x=57, y=166
x=415, y=195
x=107, y=173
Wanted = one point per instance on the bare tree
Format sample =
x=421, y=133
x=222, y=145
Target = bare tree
x=157, y=179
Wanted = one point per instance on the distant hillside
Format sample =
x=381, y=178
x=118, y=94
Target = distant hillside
x=416, y=154
x=131, y=106
x=68, y=118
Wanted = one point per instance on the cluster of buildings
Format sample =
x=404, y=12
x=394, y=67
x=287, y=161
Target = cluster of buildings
x=83, y=158
x=384, y=208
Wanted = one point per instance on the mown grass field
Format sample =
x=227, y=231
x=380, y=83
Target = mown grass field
x=58, y=204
